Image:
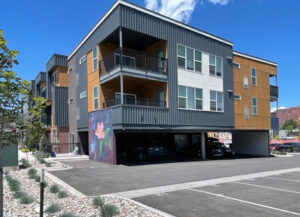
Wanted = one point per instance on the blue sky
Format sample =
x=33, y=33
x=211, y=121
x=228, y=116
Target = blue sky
x=265, y=28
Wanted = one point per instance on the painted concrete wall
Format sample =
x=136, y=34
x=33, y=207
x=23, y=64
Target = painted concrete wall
x=253, y=143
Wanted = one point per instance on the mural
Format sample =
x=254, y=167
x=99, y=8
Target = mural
x=101, y=137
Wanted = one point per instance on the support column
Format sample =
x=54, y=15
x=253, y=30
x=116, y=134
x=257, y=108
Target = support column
x=203, y=151
x=121, y=65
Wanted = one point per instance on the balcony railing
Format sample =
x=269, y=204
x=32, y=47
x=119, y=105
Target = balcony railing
x=133, y=59
x=273, y=93
x=135, y=101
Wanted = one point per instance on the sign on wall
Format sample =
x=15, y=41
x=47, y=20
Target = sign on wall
x=102, y=145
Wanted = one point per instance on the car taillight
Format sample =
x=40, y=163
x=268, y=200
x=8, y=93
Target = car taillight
x=150, y=148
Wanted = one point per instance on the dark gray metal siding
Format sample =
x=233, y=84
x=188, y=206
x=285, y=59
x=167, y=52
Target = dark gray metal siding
x=40, y=77
x=60, y=103
x=108, y=26
x=56, y=60
x=140, y=22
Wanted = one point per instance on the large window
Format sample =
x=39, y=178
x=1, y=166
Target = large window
x=215, y=66
x=253, y=76
x=216, y=101
x=190, y=98
x=189, y=58
x=95, y=98
x=254, y=105
x=245, y=82
x=95, y=58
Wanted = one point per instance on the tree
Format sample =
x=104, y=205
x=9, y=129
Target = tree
x=289, y=125
x=13, y=92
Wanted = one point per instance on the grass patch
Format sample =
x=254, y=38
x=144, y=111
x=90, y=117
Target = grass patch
x=54, y=189
x=53, y=208
x=62, y=194
x=26, y=199
x=32, y=173
x=97, y=202
x=19, y=194
x=14, y=185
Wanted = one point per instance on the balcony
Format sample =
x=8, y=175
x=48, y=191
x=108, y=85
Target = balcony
x=130, y=100
x=273, y=93
x=134, y=63
x=274, y=123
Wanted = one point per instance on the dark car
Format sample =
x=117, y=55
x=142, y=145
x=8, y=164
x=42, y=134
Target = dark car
x=218, y=149
x=288, y=146
x=273, y=146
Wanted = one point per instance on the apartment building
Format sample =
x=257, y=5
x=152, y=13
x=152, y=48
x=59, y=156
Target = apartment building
x=255, y=87
x=141, y=76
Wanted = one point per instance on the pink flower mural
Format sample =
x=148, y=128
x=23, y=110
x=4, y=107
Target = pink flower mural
x=99, y=131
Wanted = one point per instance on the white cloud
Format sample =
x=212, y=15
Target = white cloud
x=180, y=10
x=221, y=2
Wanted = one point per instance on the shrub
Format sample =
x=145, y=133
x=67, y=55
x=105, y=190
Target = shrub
x=62, y=194
x=109, y=210
x=67, y=215
x=53, y=208
x=14, y=185
x=25, y=163
x=6, y=172
x=8, y=178
x=97, y=201
x=54, y=189
x=46, y=184
x=48, y=164
x=25, y=150
x=26, y=199
x=41, y=160
x=19, y=194
x=37, y=179
x=32, y=173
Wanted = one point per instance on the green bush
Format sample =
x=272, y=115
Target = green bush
x=109, y=210
x=14, y=185
x=53, y=208
x=19, y=194
x=25, y=163
x=41, y=160
x=26, y=199
x=46, y=184
x=62, y=194
x=67, y=215
x=54, y=189
x=32, y=173
x=48, y=164
x=6, y=172
x=8, y=178
x=97, y=201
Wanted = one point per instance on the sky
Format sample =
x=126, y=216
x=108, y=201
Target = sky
x=269, y=29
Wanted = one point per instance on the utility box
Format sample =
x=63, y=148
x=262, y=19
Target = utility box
x=10, y=157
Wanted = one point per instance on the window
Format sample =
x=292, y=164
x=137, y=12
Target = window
x=71, y=100
x=190, y=59
x=53, y=78
x=95, y=97
x=181, y=56
x=236, y=65
x=198, y=61
x=215, y=66
x=83, y=59
x=82, y=95
x=246, y=113
x=253, y=76
x=254, y=105
x=190, y=98
x=95, y=58
x=198, y=99
x=245, y=82
x=237, y=97
x=182, y=96
x=216, y=101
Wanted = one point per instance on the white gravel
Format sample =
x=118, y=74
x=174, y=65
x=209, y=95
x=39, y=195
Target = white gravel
x=78, y=206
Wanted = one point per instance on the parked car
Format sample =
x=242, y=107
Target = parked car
x=273, y=146
x=288, y=146
x=218, y=149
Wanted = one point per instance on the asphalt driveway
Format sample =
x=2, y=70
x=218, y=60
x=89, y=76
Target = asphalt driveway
x=93, y=178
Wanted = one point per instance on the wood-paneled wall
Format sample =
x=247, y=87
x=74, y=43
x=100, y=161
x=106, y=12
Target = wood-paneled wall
x=261, y=91
x=62, y=76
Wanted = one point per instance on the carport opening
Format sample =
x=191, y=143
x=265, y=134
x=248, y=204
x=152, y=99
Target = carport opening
x=84, y=140
x=140, y=148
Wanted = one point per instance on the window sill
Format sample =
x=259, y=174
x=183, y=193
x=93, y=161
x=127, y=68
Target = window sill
x=198, y=110
x=189, y=70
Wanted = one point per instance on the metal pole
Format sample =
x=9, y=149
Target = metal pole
x=42, y=194
x=121, y=65
x=203, y=151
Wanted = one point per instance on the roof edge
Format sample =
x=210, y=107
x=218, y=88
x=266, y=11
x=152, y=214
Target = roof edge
x=152, y=13
x=255, y=58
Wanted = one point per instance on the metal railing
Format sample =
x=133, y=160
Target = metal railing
x=133, y=59
x=135, y=101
